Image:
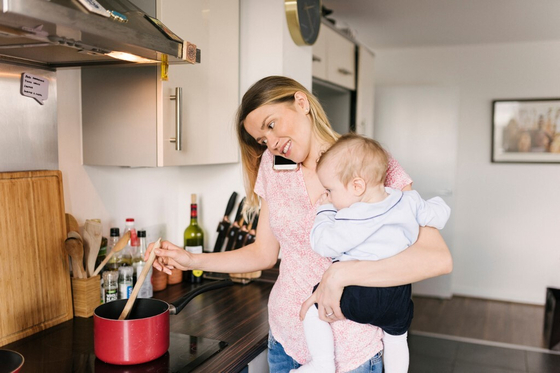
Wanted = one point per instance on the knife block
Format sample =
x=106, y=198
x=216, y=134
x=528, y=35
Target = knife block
x=86, y=294
x=245, y=278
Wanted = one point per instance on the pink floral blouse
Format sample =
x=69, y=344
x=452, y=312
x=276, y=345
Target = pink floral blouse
x=291, y=219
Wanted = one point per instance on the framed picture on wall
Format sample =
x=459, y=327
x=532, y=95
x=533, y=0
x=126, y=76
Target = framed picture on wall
x=526, y=131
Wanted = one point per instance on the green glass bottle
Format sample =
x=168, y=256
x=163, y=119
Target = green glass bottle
x=194, y=241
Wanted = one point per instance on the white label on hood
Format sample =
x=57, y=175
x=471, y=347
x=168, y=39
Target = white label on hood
x=94, y=7
x=35, y=86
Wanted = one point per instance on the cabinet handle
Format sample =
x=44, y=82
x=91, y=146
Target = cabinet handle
x=344, y=71
x=316, y=58
x=178, y=97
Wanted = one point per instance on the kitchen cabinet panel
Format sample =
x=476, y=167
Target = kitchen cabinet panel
x=129, y=114
x=119, y=121
x=365, y=89
x=319, y=67
x=338, y=58
x=210, y=89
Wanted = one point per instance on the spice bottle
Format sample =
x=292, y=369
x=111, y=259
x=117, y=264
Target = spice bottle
x=110, y=286
x=125, y=281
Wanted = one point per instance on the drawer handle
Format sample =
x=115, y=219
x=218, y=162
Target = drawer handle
x=178, y=97
x=344, y=71
x=316, y=58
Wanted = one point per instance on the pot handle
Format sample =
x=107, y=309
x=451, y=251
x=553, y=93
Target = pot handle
x=176, y=306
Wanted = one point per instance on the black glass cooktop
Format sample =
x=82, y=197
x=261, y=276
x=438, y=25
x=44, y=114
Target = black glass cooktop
x=68, y=347
x=185, y=353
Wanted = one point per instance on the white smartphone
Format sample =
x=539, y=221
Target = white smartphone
x=284, y=164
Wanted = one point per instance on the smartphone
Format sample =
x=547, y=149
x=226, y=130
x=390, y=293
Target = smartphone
x=284, y=164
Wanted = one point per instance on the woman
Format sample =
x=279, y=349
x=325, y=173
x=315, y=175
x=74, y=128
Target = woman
x=278, y=116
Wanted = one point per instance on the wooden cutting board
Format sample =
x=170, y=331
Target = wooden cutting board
x=34, y=274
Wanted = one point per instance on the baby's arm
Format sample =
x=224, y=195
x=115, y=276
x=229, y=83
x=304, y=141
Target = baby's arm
x=431, y=213
x=328, y=237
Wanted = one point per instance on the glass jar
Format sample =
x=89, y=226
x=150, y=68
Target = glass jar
x=125, y=281
x=110, y=286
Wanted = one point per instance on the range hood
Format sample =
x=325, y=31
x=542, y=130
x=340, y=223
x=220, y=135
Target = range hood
x=66, y=33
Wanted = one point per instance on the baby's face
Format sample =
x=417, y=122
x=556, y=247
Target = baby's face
x=337, y=193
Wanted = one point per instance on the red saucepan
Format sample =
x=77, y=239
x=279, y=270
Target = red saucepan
x=144, y=336
x=10, y=361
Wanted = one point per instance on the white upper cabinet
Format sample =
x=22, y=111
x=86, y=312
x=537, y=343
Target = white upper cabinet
x=210, y=89
x=365, y=90
x=334, y=58
x=130, y=114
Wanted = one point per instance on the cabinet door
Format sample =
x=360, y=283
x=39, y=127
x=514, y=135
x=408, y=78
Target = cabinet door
x=341, y=57
x=319, y=68
x=210, y=90
x=365, y=92
x=119, y=116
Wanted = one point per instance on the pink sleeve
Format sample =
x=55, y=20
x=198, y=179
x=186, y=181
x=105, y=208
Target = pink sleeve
x=396, y=178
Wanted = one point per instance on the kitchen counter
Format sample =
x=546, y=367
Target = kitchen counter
x=235, y=314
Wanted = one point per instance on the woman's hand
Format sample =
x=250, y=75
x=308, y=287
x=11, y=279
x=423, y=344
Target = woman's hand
x=327, y=296
x=169, y=256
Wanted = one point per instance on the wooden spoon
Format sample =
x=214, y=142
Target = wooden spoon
x=92, y=239
x=71, y=224
x=121, y=244
x=75, y=248
x=141, y=278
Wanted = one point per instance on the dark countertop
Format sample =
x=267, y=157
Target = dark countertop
x=235, y=314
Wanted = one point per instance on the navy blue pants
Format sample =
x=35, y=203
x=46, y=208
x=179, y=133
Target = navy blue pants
x=390, y=309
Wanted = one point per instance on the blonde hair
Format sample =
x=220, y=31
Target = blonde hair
x=272, y=90
x=357, y=156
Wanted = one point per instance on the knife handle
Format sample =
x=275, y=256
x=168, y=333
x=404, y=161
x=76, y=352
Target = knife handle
x=231, y=203
x=239, y=210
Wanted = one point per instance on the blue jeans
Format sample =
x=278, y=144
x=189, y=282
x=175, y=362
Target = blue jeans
x=280, y=362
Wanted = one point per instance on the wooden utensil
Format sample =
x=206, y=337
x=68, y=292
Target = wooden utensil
x=141, y=278
x=92, y=239
x=121, y=243
x=71, y=224
x=75, y=249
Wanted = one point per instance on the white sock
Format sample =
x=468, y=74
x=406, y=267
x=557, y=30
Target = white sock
x=320, y=342
x=395, y=353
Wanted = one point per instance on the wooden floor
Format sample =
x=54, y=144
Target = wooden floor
x=495, y=321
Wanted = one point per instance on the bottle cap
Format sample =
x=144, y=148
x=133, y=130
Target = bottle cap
x=141, y=233
x=115, y=232
x=129, y=219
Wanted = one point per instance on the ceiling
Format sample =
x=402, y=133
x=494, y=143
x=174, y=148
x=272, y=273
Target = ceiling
x=420, y=23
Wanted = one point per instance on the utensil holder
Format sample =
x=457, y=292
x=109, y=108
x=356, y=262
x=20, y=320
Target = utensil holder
x=86, y=294
x=245, y=278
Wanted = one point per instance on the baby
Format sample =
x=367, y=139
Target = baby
x=364, y=220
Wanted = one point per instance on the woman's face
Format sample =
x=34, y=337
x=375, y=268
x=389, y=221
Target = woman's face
x=284, y=128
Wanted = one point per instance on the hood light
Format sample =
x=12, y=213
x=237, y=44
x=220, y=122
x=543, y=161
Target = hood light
x=130, y=57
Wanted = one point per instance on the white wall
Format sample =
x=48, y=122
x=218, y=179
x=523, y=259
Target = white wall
x=507, y=241
x=162, y=195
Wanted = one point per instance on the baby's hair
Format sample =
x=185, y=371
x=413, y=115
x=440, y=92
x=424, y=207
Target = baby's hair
x=357, y=156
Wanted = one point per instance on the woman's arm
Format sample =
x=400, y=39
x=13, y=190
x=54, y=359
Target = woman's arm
x=428, y=257
x=261, y=254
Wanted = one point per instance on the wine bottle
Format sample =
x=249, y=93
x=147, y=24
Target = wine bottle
x=194, y=241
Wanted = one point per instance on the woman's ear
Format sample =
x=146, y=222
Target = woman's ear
x=302, y=101
x=358, y=186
